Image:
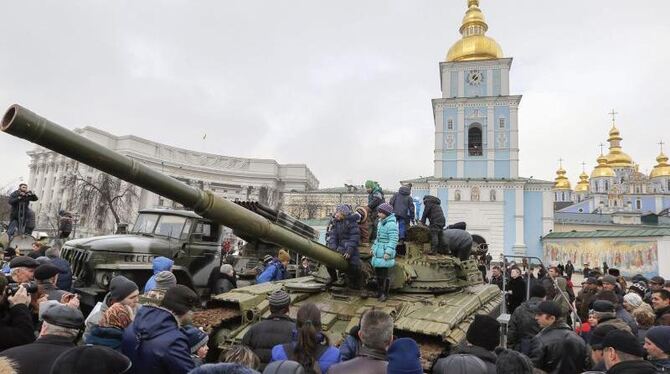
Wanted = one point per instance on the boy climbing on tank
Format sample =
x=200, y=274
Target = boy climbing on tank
x=344, y=238
x=433, y=213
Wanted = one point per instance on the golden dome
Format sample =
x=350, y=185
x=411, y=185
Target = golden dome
x=603, y=169
x=616, y=157
x=561, y=182
x=474, y=45
x=583, y=184
x=662, y=169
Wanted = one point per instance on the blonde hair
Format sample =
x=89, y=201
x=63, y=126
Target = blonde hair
x=7, y=366
x=242, y=355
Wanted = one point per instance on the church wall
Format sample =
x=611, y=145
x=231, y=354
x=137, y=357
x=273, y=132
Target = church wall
x=483, y=217
x=647, y=203
x=475, y=169
x=453, y=87
x=509, y=230
x=443, y=195
x=532, y=221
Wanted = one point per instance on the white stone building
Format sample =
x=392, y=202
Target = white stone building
x=233, y=178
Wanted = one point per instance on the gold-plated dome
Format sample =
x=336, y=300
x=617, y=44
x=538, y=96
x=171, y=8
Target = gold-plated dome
x=474, y=45
x=603, y=169
x=617, y=158
x=663, y=168
x=583, y=184
x=561, y=182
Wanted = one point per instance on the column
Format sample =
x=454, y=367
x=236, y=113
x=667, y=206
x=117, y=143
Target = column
x=460, y=149
x=519, y=247
x=438, y=113
x=490, y=141
x=514, y=142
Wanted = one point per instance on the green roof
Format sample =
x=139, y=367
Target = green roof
x=609, y=233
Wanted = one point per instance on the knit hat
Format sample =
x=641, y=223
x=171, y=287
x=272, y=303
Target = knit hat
x=484, y=332
x=121, y=287
x=385, y=208
x=599, y=334
x=344, y=209
x=117, y=315
x=180, y=299
x=46, y=271
x=660, y=336
x=623, y=341
x=609, y=279
x=284, y=367
x=633, y=299
x=603, y=306
x=283, y=256
x=460, y=364
x=549, y=307
x=656, y=280
x=165, y=280
x=279, y=299
x=196, y=338
x=267, y=258
x=227, y=269
x=404, y=357
x=370, y=184
x=513, y=362
x=64, y=316
x=91, y=359
x=638, y=288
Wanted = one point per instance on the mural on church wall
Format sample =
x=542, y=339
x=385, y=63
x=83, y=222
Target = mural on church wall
x=630, y=256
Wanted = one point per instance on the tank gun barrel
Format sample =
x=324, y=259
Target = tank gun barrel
x=23, y=123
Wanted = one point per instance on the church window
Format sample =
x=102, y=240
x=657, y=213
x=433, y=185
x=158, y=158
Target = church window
x=492, y=196
x=562, y=196
x=638, y=204
x=450, y=124
x=457, y=195
x=606, y=186
x=502, y=123
x=475, y=141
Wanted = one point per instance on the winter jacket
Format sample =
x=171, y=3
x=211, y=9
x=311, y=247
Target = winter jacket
x=619, y=324
x=432, y=211
x=15, y=201
x=16, y=326
x=385, y=243
x=224, y=284
x=328, y=358
x=93, y=319
x=106, y=336
x=488, y=357
x=159, y=264
x=403, y=204
x=569, y=269
x=583, y=302
x=155, y=344
x=458, y=242
x=263, y=336
x=523, y=326
x=375, y=198
x=65, y=273
x=623, y=315
x=52, y=292
x=633, y=367
x=663, y=366
x=349, y=347
x=275, y=271
x=663, y=317
x=369, y=361
x=344, y=237
x=38, y=357
x=517, y=286
x=557, y=349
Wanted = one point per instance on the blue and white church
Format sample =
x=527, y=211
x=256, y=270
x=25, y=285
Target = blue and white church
x=476, y=160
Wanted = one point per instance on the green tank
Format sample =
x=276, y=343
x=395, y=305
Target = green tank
x=433, y=300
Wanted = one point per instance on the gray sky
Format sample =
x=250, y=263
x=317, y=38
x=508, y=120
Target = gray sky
x=343, y=86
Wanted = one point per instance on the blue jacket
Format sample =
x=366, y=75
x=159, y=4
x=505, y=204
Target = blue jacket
x=154, y=343
x=64, y=273
x=275, y=271
x=159, y=264
x=344, y=237
x=329, y=358
x=385, y=243
x=106, y=336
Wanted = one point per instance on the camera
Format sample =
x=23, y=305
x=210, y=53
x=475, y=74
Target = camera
x=13, y=288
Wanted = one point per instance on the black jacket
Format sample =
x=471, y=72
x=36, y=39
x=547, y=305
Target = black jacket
x=523, y=326
x=403, y=205
x=16, y=326
x=38, y=357
x=557, y=349
x=261, y=337
x=488, y=357
x=633, y=367
x=518, y=295
x=16, y=200
x=433, y=212
x=569, y=269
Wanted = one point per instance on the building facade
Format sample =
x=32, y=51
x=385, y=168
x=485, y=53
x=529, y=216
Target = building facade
x=321, y=204
x=476, y=163
x=233, y=178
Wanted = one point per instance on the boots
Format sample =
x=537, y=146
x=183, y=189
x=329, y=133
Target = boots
x=384, y=287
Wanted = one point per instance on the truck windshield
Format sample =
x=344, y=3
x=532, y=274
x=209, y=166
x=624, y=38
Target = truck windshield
x=145, y=223
x=170, y=226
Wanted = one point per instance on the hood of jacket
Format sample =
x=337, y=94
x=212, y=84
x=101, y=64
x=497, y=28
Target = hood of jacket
x=107, y=336
x=404, y=190
x=637, y=367
x=162, y=264
x=151, y=322
x=431, y=200
x=481, y=353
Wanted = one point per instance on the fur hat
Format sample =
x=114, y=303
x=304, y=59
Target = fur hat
x=484, y=332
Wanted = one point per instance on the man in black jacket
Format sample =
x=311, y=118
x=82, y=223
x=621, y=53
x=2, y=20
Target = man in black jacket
x=482, y=338
x=276, y=329
x=432, y=211
x=522, y=325
x=403, y=207
x=623, y=354
x=19, y=215
x=16, y=322
x=556, y=349
x=61, y=327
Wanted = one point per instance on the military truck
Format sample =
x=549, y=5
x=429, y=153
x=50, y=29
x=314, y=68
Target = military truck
x=193, y=242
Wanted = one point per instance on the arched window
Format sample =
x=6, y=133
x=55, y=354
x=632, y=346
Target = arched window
x=475, y=141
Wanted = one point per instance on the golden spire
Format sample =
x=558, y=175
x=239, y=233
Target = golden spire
x=602, y=169
x=583, y=184
x=561, y=182
x=474, y=45
x=616, y=157
x=662, y=169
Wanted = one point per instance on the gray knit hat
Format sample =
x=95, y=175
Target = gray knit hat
x=279, y=299
x=165, y=280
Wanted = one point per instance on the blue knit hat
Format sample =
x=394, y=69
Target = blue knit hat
x=196, y=337
x=344, y=209
x=385, y=208
x=404, y=357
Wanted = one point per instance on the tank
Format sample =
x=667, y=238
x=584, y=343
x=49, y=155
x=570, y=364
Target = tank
x=434, y=297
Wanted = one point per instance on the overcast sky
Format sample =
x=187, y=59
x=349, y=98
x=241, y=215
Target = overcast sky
x=343, y=86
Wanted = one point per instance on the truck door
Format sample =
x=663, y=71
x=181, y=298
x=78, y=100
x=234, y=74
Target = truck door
x=204, y=251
